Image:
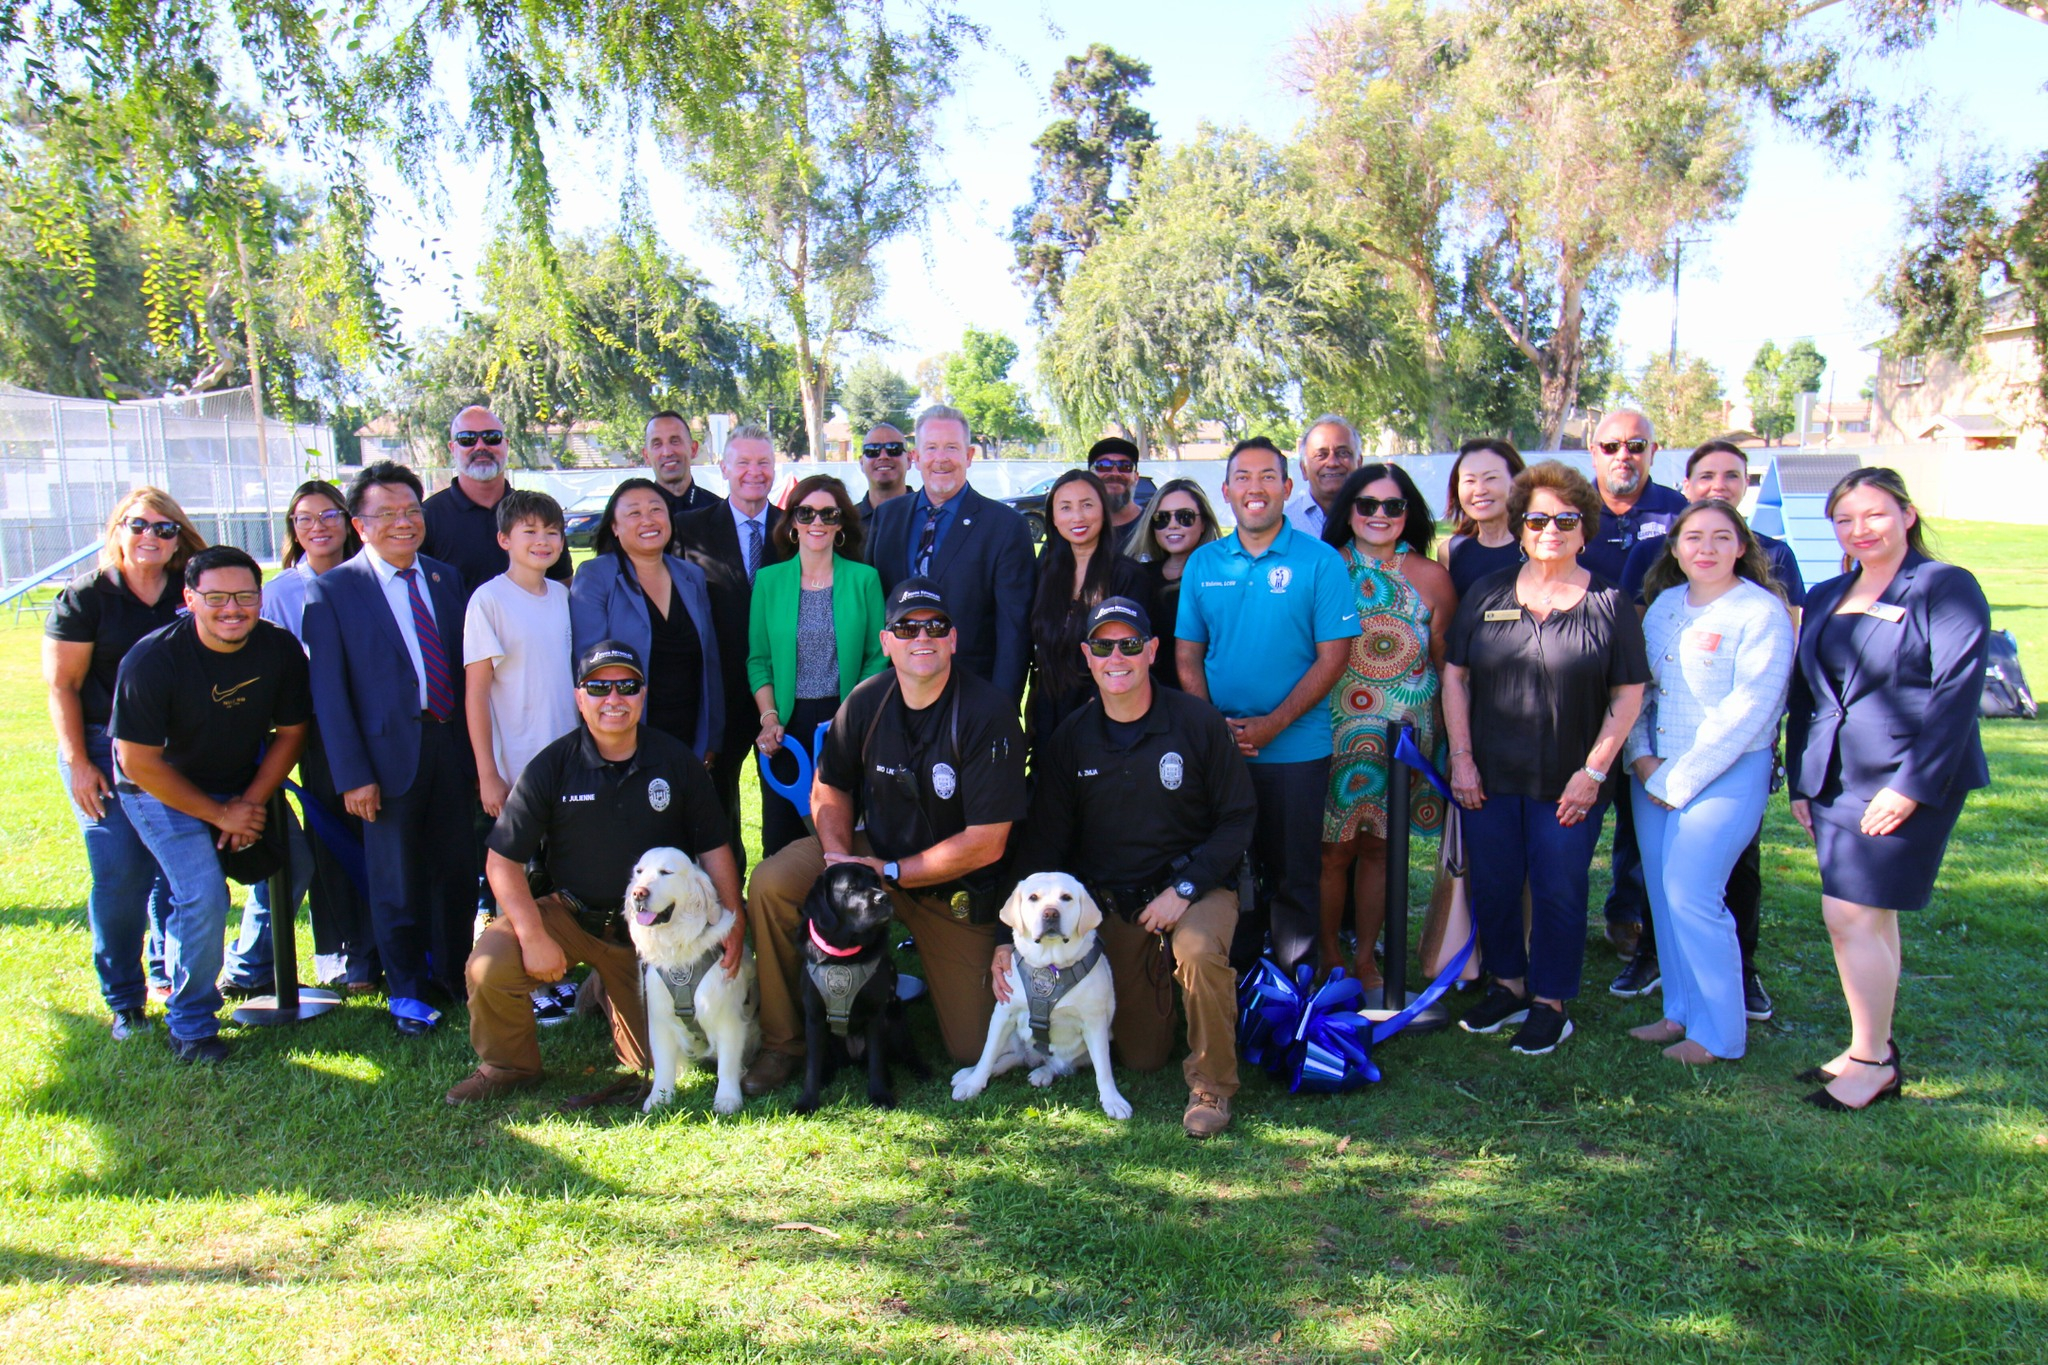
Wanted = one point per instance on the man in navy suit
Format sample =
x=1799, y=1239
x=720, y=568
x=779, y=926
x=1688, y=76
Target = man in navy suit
x=977, y=550
x=384, y=640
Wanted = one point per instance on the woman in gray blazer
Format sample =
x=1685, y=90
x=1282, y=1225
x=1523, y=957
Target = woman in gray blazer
x=1880, y=749
x=634, y=590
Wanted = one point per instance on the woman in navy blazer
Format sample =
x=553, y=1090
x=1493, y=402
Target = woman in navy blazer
x=1881, y=748
x=610, y=595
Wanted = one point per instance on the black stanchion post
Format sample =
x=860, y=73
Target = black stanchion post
x=1398, y=779
x=286, y=1004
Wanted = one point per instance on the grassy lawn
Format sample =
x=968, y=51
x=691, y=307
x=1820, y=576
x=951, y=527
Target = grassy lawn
x=314, y=1199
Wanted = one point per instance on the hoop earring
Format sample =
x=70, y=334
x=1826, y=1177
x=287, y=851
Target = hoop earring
x=838, y=538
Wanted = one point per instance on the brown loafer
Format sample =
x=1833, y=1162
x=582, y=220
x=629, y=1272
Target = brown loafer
x=769, y=1073
x=483, y=1085
x=624, y=1090
x=1206, y=1114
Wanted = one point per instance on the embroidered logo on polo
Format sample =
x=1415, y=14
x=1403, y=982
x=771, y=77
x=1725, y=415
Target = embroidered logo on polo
x=944, y=783
x=657, y=793
x=1278, y=577
x=1171, y=771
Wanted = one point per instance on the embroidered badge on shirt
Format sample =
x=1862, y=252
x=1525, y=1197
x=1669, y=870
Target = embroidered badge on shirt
x=657, y=793
x=944, y=784
x=1278, y=577
x=1171, y=771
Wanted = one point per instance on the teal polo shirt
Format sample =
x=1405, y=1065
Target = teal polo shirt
x=1261, y=617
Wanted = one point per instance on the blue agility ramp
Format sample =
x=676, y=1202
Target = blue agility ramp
x=1792, y=506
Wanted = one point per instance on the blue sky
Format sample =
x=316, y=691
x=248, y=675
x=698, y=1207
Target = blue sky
x=1797, y=259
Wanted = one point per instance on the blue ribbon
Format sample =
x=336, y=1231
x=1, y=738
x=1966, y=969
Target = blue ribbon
x=1406, y=750
x=340, y=838
x=405, y=1007
x=797, y=793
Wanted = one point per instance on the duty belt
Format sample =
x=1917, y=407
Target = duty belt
x=840, y=983
x=599, y=924
x=1045, y=987
x=1126, y=903
x=682, y=985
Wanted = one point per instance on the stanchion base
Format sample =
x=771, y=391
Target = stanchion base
x=262, y=1010
x=1431, y=1020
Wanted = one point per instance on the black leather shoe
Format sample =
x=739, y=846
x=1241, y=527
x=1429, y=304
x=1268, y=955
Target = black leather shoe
x=411, y=1028
x=128, y=1023
x=208, y=1051
x=1892, y=1089
x=1640, y=977
x=1756, y=1001
x=235, y=990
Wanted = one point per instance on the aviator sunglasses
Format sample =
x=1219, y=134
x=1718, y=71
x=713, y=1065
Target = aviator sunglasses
x=1130, y=647
x=1175, y=516
x=933, y=627
x=466, y=439
x=1635, y=445
x=604, y=687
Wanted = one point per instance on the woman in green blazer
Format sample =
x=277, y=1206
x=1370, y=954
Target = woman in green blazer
x=815, y=631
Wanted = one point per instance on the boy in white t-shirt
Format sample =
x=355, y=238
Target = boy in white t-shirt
x=516, y=663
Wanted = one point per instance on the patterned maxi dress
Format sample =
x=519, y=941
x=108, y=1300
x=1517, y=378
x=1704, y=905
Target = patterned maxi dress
x=1388, y=676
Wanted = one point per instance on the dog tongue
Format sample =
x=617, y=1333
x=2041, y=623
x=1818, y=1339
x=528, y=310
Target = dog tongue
x=644, y=916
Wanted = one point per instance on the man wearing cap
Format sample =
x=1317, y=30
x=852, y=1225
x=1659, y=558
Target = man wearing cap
x=1115, y=461
x=885, y=460
x=1145, y=797
x=929, y=760
x=589, y=804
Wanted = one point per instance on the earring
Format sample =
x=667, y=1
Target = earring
x=838, y=539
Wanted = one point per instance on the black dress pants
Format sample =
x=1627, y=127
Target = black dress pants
x=1287, y=864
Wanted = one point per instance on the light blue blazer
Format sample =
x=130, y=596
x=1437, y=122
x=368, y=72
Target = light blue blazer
x=605, y=603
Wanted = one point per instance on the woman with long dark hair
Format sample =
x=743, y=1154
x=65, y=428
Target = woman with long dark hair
x=1476, y=502
x=1178, y=522
x=1078, y=568
x=1880, y=751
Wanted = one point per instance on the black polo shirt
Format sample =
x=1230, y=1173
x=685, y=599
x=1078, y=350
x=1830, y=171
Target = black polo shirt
x=591, y=819
x=211, y=713
x=1606, y=551
x=99, y=610
x=465, y=534
x=1539, y=689
x=1118, y=805
x=926, y=775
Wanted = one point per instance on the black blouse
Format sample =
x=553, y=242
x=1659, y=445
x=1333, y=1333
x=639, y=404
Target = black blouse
x=675, y=671
x=1540, y=689
x=1469, y=561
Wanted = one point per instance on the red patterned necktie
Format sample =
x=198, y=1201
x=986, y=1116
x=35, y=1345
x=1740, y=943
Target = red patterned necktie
x=440, y=687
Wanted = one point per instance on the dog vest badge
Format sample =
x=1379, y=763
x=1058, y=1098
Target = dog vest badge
x=944, y=783
x=1171, y=770
x=1278, y=577
x=657, y=793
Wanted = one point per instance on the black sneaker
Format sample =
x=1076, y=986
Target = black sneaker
x=245, y=990
x=1543, y=1031
x=128, y=1023
x=1639, y=977
x=1756, y=1001
x=209, y=1051
x=550, y=1009
x=1501, y=1006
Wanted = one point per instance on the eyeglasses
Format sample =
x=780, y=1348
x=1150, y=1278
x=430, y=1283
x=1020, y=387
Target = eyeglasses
x=217, y=600
x=1636, y=445
x=804, y=516
x=1565, y=521
x=306, y=521
x=933, y=627
x=1175, y=516
x=1367, y=507
x=604, y=687
x=162, y=530
x=1114, y=464
x=466, y=439
x=1130, y=647
x=871, y=449
x=391, y=514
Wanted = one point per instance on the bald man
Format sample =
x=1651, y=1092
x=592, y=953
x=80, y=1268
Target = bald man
x=462, y=519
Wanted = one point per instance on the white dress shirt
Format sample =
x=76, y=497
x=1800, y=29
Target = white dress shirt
x=400, y=602
x=1306, y=515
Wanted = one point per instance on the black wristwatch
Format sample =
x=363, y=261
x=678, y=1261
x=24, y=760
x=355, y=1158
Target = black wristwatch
x=890, y=870
x=1185, y=890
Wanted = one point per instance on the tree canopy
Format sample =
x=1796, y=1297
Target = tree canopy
x=978, y=383
x=873, y=393
x=1682, y=401
x=1776, y=379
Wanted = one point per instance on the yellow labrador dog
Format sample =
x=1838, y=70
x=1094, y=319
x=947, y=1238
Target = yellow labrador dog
x=1061, y=995
x=694, y=1011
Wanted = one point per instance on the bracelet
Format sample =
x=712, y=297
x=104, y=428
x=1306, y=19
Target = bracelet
x=1594, y=773
x=766, y=715
x=1459, y=753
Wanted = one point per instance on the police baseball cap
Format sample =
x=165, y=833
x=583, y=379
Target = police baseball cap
x=1119, y=609
x=609, y=654
x=912, y=594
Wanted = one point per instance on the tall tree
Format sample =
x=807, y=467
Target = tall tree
x=1776, y=379
x=979, y=384
x=1088, y=163
x=873, y=393
x=1682, y=401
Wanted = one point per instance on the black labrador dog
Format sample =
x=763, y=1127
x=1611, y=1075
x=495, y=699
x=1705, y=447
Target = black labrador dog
x=849, y=985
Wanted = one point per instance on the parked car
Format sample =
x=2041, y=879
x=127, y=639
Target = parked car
x=580, y=519
x=1031, y=502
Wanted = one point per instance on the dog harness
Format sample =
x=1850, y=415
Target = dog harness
x=1045, y=987
x=682, y=990
x=840, y=983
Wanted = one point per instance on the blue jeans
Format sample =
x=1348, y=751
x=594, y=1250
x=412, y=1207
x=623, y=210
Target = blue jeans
x=1511, y=840
x=1687, y=856
x=196, y=927
x=126, y=906
x=250, y=959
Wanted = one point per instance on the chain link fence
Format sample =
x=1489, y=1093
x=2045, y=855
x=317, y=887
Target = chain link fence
x=65, y=462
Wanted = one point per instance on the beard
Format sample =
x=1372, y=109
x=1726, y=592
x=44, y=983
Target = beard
x=1621, y=487
x=1115, y=499
x=483, y=470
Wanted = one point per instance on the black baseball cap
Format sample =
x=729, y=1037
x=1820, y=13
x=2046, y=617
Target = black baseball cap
x=1120, y=609
x=1113, y=445
x=912, y=594
x=609, y=654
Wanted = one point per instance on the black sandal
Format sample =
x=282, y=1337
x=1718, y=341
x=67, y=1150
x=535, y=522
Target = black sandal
x=1820, y=1075
x=1821, y=1099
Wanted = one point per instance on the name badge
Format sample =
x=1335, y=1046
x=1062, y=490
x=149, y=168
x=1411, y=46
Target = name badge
x=1887, y=611
x=1514, y=614
x=1704, y=640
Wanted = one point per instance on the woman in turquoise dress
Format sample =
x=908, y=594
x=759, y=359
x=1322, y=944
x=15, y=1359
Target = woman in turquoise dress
x=1405, y=605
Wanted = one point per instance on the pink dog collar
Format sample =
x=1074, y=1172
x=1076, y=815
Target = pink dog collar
x=825, y=947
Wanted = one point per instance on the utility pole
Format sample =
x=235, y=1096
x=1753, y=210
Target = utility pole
x=1677, y=263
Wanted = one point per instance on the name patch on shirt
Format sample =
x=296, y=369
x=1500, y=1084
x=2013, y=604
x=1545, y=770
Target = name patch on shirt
x=1505, y=614
x=579, y=796
x=1887, y=611
x=1704, y=640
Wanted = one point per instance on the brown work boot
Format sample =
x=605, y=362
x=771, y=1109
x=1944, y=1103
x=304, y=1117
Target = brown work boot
x=482, y=1085
x=769, y=1073
x=1206, y=1115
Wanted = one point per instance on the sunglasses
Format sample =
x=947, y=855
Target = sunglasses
x=1175, y=516
x=162, y=530
x=1565, y=521
x=1367, y=507
x=804, y=516
x=1130, y=647
x=306, y=521
x=604, y=687
x=874, y=448
x=1110, y=464
x=1636, y=445
x=466, y=439
x=933, y=628
x=217, y=600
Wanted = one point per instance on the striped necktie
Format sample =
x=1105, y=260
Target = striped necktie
x=440, y=687
x=753, y=547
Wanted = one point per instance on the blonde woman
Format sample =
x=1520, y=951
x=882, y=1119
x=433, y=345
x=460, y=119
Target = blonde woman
x=1177, y=522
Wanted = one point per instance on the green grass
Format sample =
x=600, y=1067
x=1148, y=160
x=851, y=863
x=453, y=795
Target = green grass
x=314, y=1199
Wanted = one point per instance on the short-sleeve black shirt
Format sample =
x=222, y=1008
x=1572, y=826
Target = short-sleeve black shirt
x=593, y=818
x=465, y=534
x=99, y=610
x=210, y=712
x=925, y=779
x=1539, y=690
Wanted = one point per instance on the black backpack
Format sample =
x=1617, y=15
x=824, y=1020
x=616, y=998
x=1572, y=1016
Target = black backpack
x=2005, y=686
